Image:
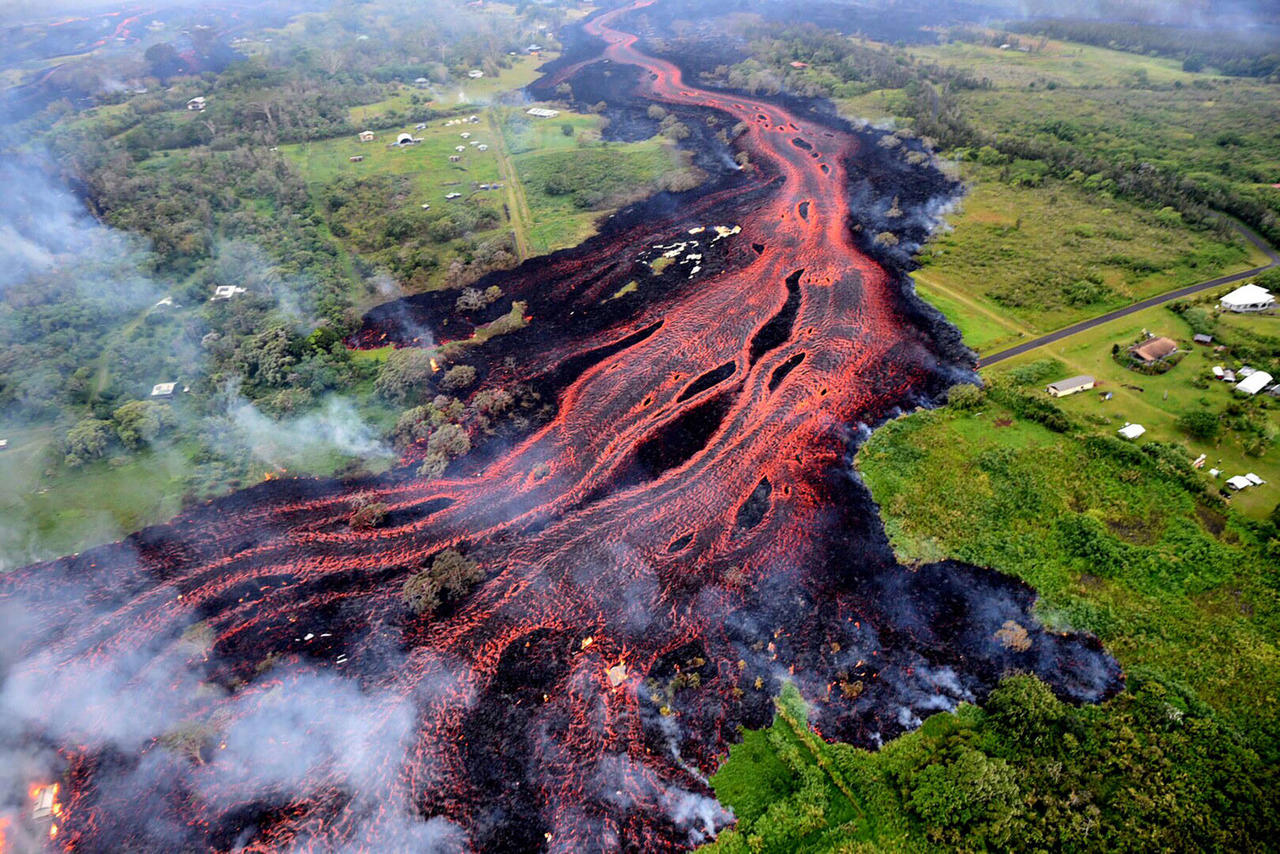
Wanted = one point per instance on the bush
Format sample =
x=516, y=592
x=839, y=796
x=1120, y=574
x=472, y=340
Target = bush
x=405, y=375
x=368, y=516
x=458, y=377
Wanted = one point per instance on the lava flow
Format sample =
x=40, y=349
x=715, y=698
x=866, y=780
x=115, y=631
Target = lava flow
x=679, y=539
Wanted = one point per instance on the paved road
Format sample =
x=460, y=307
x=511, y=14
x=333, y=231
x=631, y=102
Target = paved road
x=1068, y=331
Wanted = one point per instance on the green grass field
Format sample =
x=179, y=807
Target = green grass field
x=1023, y=260
x=1112, y=545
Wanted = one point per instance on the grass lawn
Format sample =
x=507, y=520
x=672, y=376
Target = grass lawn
x=1164, y=397
x=1023, y=260
x=456, y=94
x=77, y=508
x=1057, y=62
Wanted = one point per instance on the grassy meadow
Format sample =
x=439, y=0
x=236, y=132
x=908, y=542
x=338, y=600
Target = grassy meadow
x=1023, y=259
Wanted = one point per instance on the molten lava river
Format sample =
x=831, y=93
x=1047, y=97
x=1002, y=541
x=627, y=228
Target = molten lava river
x=680, y=538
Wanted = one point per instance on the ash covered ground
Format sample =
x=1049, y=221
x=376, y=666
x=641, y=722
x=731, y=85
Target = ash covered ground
x=679, y=538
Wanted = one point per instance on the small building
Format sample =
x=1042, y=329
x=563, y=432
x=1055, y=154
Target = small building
x=473, y=119
x=466, y=134
x=1247, y=298
x=1228, y=376
x=4, y=443
x=1131, y=431
x=1218, y=372
x=163, y=391
x=45, y=803
x=1062, y=388
x=1254, y=383
x=1201, y=338
x=452, y=196
x=799, y=64
x=1155, y=349
x=534, y=48
x=1239, y=482
x=421, y=82
x=459, y=148
x=405, y=139
x=222, y=292
x=426, y=206
x=455, y=158
x=420, y=126
x=482, y=147
x=475, y=74
x=542, y=113
x=197, y=104
x=356, y=158
x=366, y=136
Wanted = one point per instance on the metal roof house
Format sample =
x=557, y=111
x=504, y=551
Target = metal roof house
x=1062, y=388
x=1247, y=298
x=161, y=391
x=1254, y=383
x=366, y=136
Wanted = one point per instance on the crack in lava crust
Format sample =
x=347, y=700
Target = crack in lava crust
x=698, y=518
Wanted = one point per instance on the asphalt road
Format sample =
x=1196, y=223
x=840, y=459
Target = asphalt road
x=1094, y=322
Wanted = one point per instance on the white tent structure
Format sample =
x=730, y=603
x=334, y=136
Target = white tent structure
x=1248, y=297
x=1132, y=431
x=1254, y=383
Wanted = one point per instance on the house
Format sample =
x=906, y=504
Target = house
x=405, y=139
x=197, y=104
x=356, y=158
x=475, y=74
x=1247, y=298
x=45, y=804
x=542, y=113
x=534, y=48
x=482, y=147
x=1239, y=482
x=1218, y=372
x=466, y=134
x=1254, y=383
x=426, y=206
x=222, y=292
x=1202, y=338
x=4, y=443
x=1062, y=388
x=1131, y=431
x=1228, y=376
x=455, y=158
x=452, y=196
x=473, y=119
x=1155, y=349
x=421, y=82
x=420, y=126
x=366, y=136
x=163, y=391
x=798, y=64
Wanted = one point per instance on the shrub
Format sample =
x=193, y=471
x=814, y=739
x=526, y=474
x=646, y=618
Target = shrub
x=450, y=577
x=1200, y=424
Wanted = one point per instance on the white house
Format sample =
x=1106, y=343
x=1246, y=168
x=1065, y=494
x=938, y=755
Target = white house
x=1248, y=297
x=1062, y=388
x=197, y=104
x=1131, y=431
x=1254, y=383
x=475, y=74
x=542, y=113
x=366, y=136
x=163, y=390
x=222, y=292
x=1239, y=482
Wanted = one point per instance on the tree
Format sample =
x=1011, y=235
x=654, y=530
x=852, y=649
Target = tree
x=458, y=377
x=450, y=577
x=141, y=422
x=368, y=516
x=87, y=440
x=405, y=375
x=1199, y=424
